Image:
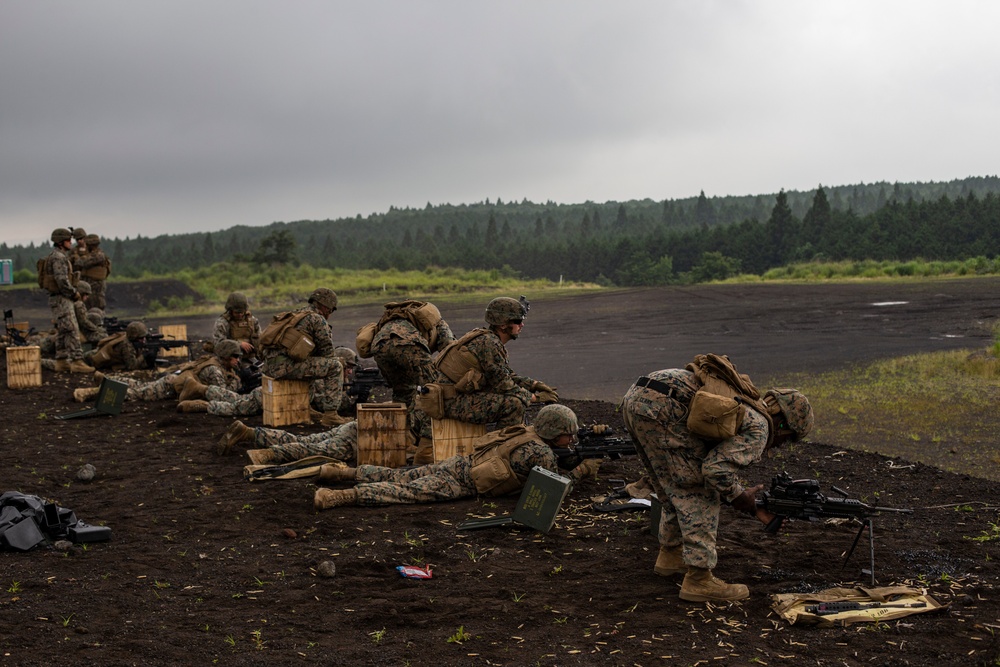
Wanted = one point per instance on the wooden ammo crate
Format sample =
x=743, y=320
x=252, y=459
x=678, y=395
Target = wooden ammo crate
x=454, y=438
x=382, y=434
x=24, y=367
x=175, y=332
x=285, y=401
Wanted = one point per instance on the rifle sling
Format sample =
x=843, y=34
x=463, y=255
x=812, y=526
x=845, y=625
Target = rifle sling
x=656, y=385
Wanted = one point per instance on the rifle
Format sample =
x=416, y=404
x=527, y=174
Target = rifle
x=364, y=381
x=15, y=336
x=113, y=325
x=801, y=499
x=595, y=442
x=830, y=608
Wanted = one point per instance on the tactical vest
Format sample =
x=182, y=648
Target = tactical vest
x=46, y=279
x=98, y=272
x=723, y=394
x=491, y=470
x=192, y=369
x=281, y=333
x=104, y=354
x=241, y=330
x=455, y=360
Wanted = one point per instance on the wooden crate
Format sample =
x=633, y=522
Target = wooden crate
x=175, y=332
x=382, y=434
x=454, y=438
x=285, y=401
x=24, y=367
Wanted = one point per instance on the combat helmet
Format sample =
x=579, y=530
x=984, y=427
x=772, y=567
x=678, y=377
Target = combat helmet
x=347, y=356
x=95, y=318
x=61, y=234
x=227, y=348
x=555, y=420
x=794, y=406
x=83, y=287
x=79, y=233
x=92, y=240
x=324, y=296
x=504, y=309
x=136, y=330
x=237, y=301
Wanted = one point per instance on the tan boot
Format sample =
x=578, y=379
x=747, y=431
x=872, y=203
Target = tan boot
x=98, y=377
x=192, y=389
x=424, y=453
x=61, y=366
x=192, y=406
x=262, y=457
x=670, y=562
x=80, y=366
x=700, y=585
x=333, y=418
x=85, y=394
x=329, y=498
x=236, y=433
x=332, y=472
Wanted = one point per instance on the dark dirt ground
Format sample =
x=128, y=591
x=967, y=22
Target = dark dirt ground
x=200, y=570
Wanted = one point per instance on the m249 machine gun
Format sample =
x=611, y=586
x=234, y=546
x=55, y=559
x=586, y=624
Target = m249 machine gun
x=594, y=442
x=801, y=499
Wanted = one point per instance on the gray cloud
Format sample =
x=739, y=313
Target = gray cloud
x=171, y=116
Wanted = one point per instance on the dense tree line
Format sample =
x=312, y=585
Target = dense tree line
x=627, y=243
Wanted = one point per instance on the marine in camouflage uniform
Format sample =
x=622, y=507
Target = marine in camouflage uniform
x=215, y=373
x=94, y=267
x=91, y=329
x=503, y=395
x=693, y=475
x=124, y=351
x=322, y=366
x=340, y=442
x=79, y=248
x=402, y=348
x=453, y=478
x=58, y=280
x=238, y=324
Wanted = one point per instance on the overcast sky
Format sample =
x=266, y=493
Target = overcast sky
x=154, y=117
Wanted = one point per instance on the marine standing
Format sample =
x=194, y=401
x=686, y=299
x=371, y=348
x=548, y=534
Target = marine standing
x=95, y=267
x=57, y=277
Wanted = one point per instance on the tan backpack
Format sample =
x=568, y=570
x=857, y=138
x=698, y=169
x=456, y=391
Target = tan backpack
x=460, y=365
x=281, y=332
x=719, y=406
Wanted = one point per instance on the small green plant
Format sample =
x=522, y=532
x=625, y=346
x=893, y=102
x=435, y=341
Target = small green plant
x=230, y=641
x=556, y=570
x=964, y=508
x=15, y=587
x=987, y=535
x=377, y=636
x=460, y=636
x=161, y=584
x=67, y=619
x=257, y=638
x=413, y=541
x=560, y=621
x=518, y=598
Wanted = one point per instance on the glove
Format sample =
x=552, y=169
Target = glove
x=746, y=502
x=589, y=468
x=538, y=385
x=547, y=396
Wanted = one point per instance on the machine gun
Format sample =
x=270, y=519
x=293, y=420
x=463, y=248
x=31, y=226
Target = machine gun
x=16, y=337
x=155, y=342
x=250, y=375
x=365, y=380
x=801, y=499
x=594, y=442
x=113, y=325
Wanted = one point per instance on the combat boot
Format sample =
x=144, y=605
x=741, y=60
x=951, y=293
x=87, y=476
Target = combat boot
x=670, y=562
x=98, y=377
x=424, y=453
x=700, y=585
x=192, y=406
x=333, y=418
x=329, y=498
x=262, y=457
x=331, y=472
x=61, y=366
x=85, y=394
x=192, y=389
x=236, y=433
x=80, y=366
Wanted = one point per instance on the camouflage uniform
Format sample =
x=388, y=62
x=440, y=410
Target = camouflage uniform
x=226, y=402
x=124, y=356
x=90, y=331
x=213, y=375
x=68, y=346
x=94, y=268
x=450, y=479
x=691, y=475
x=246, y=329
x=340, y=442
x=323, y=367
x=504, y=395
